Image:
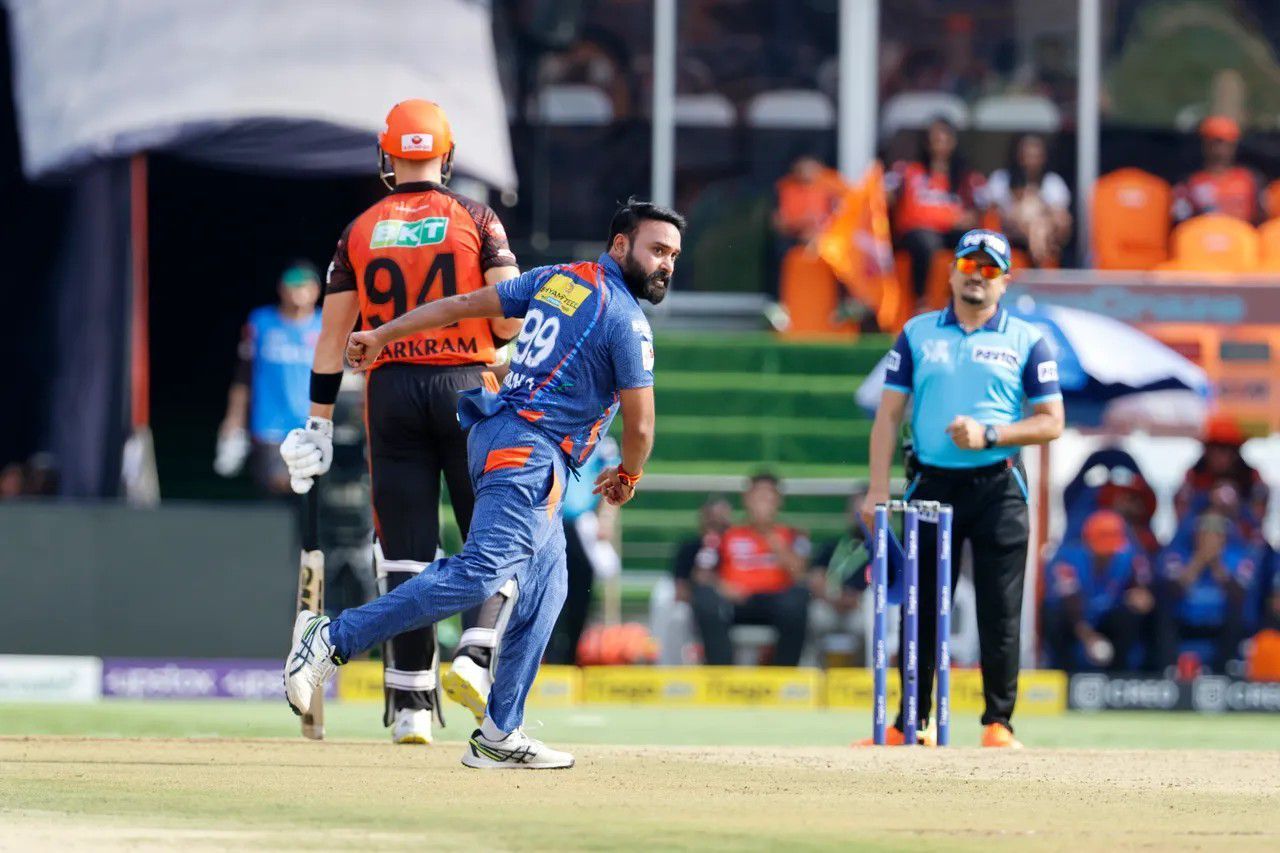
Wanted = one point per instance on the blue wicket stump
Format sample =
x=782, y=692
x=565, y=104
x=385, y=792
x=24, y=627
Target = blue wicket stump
x=940, y=515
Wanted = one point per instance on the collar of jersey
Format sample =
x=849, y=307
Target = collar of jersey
x=417, y=187
x=613, y=272
x=995, y=324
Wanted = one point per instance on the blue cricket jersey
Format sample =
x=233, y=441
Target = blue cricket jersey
x=989, y=374
x=583, y=341
x=281, y=352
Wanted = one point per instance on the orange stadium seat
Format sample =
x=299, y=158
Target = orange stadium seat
x=810, y=293
x=1269, y=237
x=1131, y=212
x=1271, y=199
x=1215, y=242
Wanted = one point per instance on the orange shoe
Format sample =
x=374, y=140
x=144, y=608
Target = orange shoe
x=999, y=735
x=892, y=737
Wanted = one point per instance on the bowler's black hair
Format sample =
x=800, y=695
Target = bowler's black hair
x=628, y=216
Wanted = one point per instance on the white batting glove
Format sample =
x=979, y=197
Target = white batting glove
x=308, y=452
x=233, y=447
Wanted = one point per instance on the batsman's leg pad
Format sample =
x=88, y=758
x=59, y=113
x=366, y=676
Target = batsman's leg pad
x=410, y=660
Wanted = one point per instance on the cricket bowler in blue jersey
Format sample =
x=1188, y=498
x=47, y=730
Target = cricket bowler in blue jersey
x=585, y=351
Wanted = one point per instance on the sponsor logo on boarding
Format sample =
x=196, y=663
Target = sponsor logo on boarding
x=563, y=293
x=1047, y=371
x=415, y=141
x=996, y=355
x=409, y=234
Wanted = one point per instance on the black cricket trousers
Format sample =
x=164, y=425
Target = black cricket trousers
x=411, y=413
x=990, y=506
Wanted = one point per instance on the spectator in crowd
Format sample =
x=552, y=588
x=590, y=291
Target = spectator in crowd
x=1132, y=498
x=838, y=578
x=1202, y=592
x=760, y=580
x=1222, y=464
x=1221, y=186
x=934, y=199
x=807, y=196
x=12, y=481
x=1099, y=605
x=1034, y=203
x=589, y=525
x=270, y=393
x=698, y=557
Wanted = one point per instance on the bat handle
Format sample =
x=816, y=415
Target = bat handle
x=311, y=517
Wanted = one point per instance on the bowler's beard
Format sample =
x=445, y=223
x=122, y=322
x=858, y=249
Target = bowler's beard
x=652, y=287
x=975, y=301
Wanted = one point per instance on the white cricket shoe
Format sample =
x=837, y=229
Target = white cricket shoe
x=310, y=663
x=468, y=683
x=516, y=751
x=412, y=726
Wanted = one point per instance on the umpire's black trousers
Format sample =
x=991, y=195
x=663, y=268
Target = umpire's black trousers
x=991, y=513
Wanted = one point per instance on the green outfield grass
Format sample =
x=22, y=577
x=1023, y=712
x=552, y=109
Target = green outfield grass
x=607, y=724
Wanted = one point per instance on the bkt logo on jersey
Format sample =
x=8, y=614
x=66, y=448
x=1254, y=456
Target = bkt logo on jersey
x=402, y=234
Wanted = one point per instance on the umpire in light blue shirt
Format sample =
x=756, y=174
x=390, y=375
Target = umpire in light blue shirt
x=982, y=384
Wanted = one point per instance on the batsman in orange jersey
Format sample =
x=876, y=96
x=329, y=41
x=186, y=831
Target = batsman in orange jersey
x=421, y=243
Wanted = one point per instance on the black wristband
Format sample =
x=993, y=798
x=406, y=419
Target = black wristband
x=324, y=387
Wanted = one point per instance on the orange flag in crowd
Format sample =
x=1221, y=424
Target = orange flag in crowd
x=855, y=244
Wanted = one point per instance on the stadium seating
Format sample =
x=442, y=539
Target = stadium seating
x=1269, y=238
x=1271, y=199
x=706, y=110
x=1131, y=213
x=914, y=111
x=572, y=103
x=1017, y=113
x=791, y=108
x=1214, y=242
x=735, y=404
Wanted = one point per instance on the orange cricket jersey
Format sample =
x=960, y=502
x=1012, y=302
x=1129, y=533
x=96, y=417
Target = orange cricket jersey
x=748, y=563
x=928, y=201
x=421, y=243
x=1233, y=191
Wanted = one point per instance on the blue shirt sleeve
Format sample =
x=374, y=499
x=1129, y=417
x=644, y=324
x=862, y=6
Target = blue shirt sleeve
x=1040, y=375
x=631, y=349
x=516, y=293
x=900, y=368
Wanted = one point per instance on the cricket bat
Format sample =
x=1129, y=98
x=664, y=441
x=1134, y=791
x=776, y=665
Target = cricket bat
x=311, y=594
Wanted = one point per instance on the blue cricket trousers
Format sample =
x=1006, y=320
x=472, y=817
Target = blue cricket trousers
x=516, y=532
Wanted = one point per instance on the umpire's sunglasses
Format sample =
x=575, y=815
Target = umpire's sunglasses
x=969, y=266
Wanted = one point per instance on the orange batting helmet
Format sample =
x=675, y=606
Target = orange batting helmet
x=415, y=130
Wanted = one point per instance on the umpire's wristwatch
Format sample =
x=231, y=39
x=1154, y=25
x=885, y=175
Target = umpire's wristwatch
x=990, y=436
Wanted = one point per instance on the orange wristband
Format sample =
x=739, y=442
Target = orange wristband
x=627, y=478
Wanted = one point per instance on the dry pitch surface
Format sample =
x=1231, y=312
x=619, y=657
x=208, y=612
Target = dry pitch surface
x=79, y=793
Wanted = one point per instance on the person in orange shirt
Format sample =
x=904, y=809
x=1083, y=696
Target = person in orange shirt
x=760, y=580
x=934, y=199
x=1221, y=186
x=807, y=196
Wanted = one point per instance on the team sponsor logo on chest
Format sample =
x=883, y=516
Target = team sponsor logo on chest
x=563, y=293
x=999, y=356
x=409, y=234
x=936, y=352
